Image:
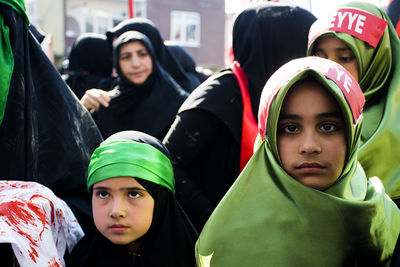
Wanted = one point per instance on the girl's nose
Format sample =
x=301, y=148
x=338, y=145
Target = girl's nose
x=118, y=209
x=310, y=143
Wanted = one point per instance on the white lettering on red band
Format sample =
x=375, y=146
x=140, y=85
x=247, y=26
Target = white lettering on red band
x=358, y=23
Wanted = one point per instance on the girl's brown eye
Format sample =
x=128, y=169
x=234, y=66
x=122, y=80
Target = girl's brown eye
x=133, y=194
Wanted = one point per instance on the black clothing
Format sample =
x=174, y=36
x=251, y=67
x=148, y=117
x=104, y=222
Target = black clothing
x=169, y=241
x=46, y=135
x=395, y=262
x=89, y=64
x=37, y=32
x=188, y=64
x=163, y=55
x=207, y=162
x=205, y=149
x=284, y=37
x=393, y=11
x=149, y=107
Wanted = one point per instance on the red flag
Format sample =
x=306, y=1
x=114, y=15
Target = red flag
x=131, y=8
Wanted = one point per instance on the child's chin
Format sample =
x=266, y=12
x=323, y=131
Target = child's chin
x=120, y=242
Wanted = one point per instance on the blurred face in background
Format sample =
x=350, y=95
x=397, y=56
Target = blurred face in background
x=135, y=62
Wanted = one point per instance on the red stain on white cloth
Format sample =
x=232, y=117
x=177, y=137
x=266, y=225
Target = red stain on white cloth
x=38, y=224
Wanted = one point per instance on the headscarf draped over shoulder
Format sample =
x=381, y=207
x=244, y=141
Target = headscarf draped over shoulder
x=275, y=220
x=368, y=32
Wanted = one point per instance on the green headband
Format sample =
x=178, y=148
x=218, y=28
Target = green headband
x=129, y=158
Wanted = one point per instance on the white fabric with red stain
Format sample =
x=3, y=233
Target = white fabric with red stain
x=38, y=224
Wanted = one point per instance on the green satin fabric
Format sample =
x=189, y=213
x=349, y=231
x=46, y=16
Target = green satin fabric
x=19, y=6
x=6, y=55
x=122, y=158
x=267, y=218
x=380, y=81
x=6, y=65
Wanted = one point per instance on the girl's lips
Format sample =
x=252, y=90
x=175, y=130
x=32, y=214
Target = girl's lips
x=118, y=228
x=310, y=167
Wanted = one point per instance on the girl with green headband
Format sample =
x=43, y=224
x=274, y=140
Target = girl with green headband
x=138, y=220
x=360, y=37
x=303, y=199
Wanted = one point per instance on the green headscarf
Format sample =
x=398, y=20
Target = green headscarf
x=380, y=81
x=268, y=218
x=133, y=159
x=6, y=55
x=19, y=6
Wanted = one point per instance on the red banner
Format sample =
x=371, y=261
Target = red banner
x=358, y=23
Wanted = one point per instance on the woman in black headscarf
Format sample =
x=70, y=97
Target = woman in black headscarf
x=170, y=238
x=187, y=62
x=207, y=143
x=163, y=55
x=89, y=64
x=46, y=136
x=147, y=104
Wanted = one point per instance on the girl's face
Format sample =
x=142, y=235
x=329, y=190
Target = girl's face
x=332, y=48
x=122, y=209
x=311, y=136
x=135, y=62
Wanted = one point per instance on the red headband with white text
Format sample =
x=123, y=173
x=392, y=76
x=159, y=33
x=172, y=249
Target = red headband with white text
x=358, y=23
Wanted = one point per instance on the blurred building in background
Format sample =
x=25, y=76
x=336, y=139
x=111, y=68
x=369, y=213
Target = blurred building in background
x=202, y=27
x=197, y=25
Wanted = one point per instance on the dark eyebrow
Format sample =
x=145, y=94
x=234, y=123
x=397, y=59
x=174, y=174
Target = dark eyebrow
x=329, y=114
x=100, y=188
x=283, y=116
x=135, y=188
x=343, y=49
x=339, y=49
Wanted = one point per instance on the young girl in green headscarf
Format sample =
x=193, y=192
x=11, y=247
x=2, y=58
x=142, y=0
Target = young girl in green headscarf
x=361, y=38
x=303, y=199
x=138, y=220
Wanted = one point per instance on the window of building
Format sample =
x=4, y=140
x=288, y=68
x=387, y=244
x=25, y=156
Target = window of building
x=140, y=8
x=185, y=28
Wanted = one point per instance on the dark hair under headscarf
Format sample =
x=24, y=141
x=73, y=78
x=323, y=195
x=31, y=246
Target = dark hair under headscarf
x=170, y=239
x=164, y=56
x=89, y=63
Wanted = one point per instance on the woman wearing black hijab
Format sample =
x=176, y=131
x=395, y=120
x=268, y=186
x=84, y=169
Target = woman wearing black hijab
x=206, y=141
x=89, y=64
x=187, y=62
x=163, y=55
x=170, y=238
x=46, y=136
x=148, y=105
